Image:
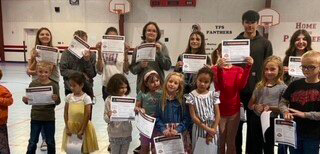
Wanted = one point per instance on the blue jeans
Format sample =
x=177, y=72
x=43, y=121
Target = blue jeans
x=49, y=130
x=305, y=146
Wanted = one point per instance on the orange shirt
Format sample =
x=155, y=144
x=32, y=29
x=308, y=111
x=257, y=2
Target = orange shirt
x=5, y=101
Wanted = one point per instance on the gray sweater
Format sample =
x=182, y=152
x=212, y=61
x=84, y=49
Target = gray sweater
x=70, y=64
x=162, y=62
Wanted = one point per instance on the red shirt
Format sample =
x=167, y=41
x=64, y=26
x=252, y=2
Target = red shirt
x=5, y=101
x=230, y=82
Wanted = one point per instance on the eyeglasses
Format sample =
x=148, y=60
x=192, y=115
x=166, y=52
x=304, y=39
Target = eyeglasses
x=308, y=68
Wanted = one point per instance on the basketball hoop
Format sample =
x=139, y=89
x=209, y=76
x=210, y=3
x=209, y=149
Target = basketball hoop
x=268, y=18
x=119, y=6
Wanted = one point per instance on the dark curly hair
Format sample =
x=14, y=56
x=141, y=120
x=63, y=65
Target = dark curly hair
x=115, y=82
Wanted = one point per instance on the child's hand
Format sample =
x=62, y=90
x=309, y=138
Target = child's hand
x=221, y=62
x=80, y=135
x=288, y=116
x=297, y=113
x=109, y=113
x=209, y=139
x=98, y=47
x=166, y=132
x=68, y=132
x=158, y=47
x=55, y=97
x=34, y=55
x=86, y=55
x=285, y=69
x=212, y=131
x=249, y=60
x=258, y=108
x=25, y=99
x=173, y=132
x=179, y=64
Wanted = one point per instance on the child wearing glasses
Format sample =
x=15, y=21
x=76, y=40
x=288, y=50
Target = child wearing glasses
x=303, y=98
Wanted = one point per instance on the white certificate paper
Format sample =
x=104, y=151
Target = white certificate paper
x=265, y=122
x=47, y=54
x=78, y=47
x=74, y=145
x=145, y=124
x=112, y=43
x=235, y=51
x=203, y=148
x=146, y=52
x=294, y=67
x=167, y=145
x=193, y=62
x=285, y=132
x=40, y=95
x=122, y=108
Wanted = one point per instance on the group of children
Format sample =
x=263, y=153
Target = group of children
x=182, y=103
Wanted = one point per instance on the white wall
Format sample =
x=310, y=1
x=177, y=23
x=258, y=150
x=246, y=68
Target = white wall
x=93, y=17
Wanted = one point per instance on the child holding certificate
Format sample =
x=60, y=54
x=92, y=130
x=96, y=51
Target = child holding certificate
x=5, y=101
x=230, y=81
x=77, y=114
x=300, y=42
x=301, y=103
x=171, y=113
x=147, y=101
x=266, y=97
x=204, y=109
x=119, y=132
x=196, y=45
x=110, y=63
x=43, y=116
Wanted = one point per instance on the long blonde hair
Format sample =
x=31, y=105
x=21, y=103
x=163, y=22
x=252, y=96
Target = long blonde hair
x=179, y=95
x=279, y=78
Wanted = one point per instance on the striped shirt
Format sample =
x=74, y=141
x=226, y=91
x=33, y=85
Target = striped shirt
x=204, y=107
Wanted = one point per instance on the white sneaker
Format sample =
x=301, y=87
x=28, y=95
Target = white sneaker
x=43, y=146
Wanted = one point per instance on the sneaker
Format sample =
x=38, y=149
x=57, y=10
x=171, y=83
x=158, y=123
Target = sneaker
x=43, y=146
x=109, y=148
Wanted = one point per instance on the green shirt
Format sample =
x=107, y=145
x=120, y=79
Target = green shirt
x=44, y=112
x=150, y=101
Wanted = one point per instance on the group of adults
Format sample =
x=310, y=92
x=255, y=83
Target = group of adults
x=109, y=64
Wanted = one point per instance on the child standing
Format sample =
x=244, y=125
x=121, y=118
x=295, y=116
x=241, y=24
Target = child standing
x=43, y=116
x=77, y=113
x=266, y=97
x=172, y=114
x=303, y=98
x=230, y=81
x=147, y=101
x=204, y=108
x=5, y=101
x=119, y=132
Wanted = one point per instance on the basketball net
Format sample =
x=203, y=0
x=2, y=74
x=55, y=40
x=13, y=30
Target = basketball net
x=266, y=26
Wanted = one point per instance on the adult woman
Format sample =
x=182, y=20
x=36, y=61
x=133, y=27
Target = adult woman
x=151, y=34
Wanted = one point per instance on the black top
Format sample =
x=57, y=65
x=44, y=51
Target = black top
x=305, y=97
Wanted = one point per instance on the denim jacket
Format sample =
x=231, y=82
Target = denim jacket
x=173, y=113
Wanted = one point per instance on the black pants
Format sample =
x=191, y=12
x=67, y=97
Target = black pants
x=260, y=146
x=105, y=94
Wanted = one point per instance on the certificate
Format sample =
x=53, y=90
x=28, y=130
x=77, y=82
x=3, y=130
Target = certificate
x=145, y=124
x=146, y=52
x=113, y=43
x=40, y=95
x=203, y=147
x=236, y=51
x=47, y=54
x=193, y=62
x=294, y=67
x=265, y=122
x=122, y=108
x=166, y=145
x=74, y=145
x=285, y=132
x=78, y=47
